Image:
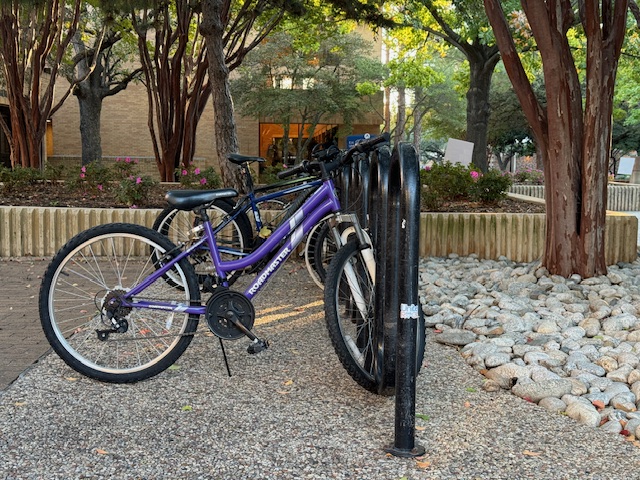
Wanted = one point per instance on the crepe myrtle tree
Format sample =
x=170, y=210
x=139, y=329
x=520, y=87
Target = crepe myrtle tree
x=573, y=129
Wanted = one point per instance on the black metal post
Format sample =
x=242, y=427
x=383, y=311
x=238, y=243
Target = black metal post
x=404, y=202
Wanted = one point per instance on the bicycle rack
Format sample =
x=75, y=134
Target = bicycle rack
x=387, y=184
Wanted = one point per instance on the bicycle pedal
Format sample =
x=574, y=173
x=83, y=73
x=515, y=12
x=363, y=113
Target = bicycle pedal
x=257, y=346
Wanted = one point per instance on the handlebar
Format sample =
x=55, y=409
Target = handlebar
x=301, y=168
x=342, y=158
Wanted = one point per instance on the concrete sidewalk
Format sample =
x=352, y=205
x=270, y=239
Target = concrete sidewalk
x=22, y=341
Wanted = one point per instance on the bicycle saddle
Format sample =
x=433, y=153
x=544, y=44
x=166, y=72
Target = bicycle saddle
x=190, y=199
x=240, y=159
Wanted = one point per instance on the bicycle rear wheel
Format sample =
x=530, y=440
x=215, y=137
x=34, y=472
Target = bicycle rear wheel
x=80, y=291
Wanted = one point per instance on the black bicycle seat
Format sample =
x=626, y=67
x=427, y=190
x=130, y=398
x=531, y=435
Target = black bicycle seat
x=240, y=159
x=190, y=199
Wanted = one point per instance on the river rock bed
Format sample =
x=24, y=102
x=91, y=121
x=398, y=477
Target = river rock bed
x=570, y=345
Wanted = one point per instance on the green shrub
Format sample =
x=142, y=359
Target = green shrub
x=194, y=177
x=491, y=187
x=134, y=190
x=447, y=182
x=19, y=178
x=528, y=176
x=270, y=174
x=90, y=178
x=124, y=168
x=53, y=173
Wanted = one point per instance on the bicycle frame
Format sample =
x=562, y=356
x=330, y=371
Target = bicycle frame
x=322, y=202
x=251, y=200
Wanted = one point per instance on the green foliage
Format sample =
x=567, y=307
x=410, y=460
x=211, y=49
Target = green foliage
x=93, y=177
x=122, y=180
x=19, y=178
x=307, y=84
x=194, y=177
x=134, y=190
x=446, y=182
x=270, y=174
x=54, y=172
x=490, y=187
x=528, y=176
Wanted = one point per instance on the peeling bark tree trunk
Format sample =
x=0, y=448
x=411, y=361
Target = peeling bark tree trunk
x=574, y=141
x=175, y=77
x=45, y=31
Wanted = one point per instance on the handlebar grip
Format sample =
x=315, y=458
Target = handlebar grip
x=372, y=142
x=302, y=168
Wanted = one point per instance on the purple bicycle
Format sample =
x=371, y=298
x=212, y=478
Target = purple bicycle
x=120, y=302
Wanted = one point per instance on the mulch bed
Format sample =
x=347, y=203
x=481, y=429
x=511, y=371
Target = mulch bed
x=56, y=195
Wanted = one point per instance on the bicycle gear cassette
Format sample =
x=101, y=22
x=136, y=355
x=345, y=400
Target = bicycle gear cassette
x=227, y=309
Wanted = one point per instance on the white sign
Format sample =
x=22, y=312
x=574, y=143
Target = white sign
x=625, y=167
x=458, y=151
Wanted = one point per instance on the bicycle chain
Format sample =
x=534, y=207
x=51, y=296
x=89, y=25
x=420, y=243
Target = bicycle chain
x=153, y=337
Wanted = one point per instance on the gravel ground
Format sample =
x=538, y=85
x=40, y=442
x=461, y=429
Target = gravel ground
x=290, y=412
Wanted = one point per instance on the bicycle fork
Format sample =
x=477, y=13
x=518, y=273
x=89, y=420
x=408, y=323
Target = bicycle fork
x=366, y=250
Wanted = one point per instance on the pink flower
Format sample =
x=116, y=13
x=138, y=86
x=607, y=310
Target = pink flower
x=82, y=175
x=203, y=181
x=127, y=160
x=427, y=167
x=184, y=173
x=83, y=169
x=100, y=187
x=138, y=180
x=118, y=159
x=133, y=206
x=475, y=175
x=197, y=171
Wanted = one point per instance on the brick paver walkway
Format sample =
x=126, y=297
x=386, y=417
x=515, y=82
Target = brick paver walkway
x=21, y=339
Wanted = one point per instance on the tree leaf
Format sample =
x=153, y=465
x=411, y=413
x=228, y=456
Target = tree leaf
x=531, y=454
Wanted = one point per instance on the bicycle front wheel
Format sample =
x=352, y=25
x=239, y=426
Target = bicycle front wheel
x=364, y=344
x=349, y=298
x=79, y=309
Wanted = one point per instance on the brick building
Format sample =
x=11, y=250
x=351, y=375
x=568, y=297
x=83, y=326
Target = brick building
x=124, y=130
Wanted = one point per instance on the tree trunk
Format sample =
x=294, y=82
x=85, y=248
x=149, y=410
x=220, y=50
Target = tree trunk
x=212, y=27
x=574, y=141
x=402, y=115
x=478, y=107
x=418, y=113
x=89, y=94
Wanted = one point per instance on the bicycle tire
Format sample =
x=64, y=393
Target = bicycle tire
x=236, y=236
x=95, y=266
x=369, y=365
x=324, y=248
x=354, y=333
x=309, y=254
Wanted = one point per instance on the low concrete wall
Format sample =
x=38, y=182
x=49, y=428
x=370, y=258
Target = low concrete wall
x=34, y=231
x=620, y=197
x=519, y=237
